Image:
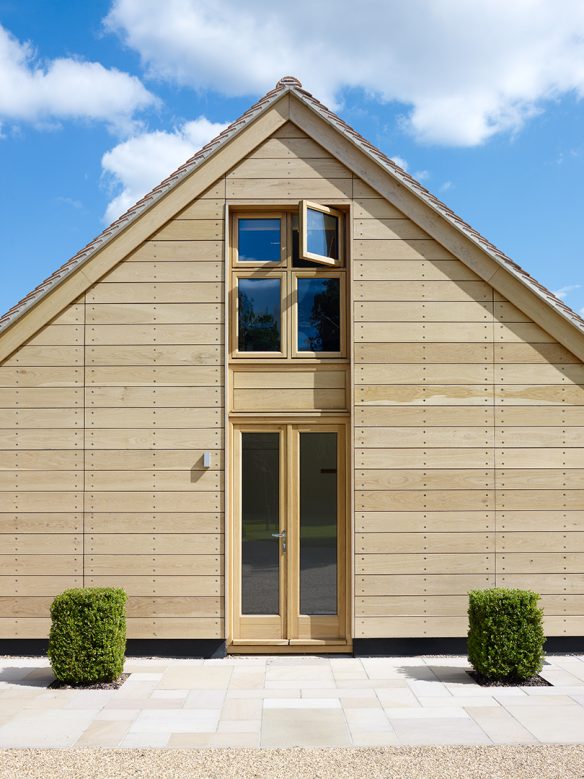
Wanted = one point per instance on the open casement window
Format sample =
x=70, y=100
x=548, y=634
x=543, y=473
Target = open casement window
x=321, y=234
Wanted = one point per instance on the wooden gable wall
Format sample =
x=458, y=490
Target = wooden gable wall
x=469, y=441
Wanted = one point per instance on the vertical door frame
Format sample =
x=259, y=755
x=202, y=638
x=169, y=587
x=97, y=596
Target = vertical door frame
x=290, y=428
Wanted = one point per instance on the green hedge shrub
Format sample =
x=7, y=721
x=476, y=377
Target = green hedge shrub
x=505, y=636
x=87, y=641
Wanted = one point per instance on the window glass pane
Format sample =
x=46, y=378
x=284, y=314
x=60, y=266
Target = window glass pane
x=258, y=240
x=322, y=232
x=260, y=517
x=259, y=315
x=297, y=262
x=319, y=327
x=318, y=523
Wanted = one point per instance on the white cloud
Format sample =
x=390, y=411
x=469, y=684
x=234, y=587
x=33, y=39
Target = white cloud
x=143, y=161
x=563, y=292
x=400, y=162
x=466, y=70
x=446, y=185
x=422, y=175
x=64, y=89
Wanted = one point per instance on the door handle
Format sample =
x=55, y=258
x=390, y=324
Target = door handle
x=281, y=535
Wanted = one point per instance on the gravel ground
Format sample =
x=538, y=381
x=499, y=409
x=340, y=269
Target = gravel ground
x=508, y=762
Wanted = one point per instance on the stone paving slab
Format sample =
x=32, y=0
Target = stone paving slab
x=285, y=702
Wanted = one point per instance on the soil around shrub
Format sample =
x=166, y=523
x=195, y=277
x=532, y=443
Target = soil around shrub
x=533, y=681
x=115, y=685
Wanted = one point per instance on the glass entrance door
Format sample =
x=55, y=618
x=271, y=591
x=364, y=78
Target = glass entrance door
x=289, y=553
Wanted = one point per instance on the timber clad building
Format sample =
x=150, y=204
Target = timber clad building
x=291, y=402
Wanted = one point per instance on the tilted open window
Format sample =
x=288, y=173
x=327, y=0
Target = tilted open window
x=321, y=234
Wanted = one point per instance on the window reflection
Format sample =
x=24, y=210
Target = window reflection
x=319, y=315
x=258, y=240
x=259, y=313
x=322, y=233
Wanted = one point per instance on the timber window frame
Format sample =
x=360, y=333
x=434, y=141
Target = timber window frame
x=304, y=207
x=289, y=272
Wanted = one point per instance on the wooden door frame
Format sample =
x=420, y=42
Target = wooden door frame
x=290, y=426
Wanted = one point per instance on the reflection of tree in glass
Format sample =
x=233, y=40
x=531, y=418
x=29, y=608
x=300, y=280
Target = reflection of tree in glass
x=324, y=318
x=257, y=332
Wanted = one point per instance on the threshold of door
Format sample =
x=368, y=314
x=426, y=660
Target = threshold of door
x=284, y=647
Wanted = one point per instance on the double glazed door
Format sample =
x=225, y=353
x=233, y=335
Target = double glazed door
x=289, y=535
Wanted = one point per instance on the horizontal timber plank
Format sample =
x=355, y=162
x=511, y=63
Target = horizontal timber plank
x=197, y=271
x=287, y=169
x=69, y=502
x=540, y=374
x=195, y=481
x=398, y=457
x=150, y=354
x=434, y=543
x=151, y=460
x=33, y=585
x=40, y=481
x=412, y=311
x=175, y=627
x=544, y=457
x=289, y=400
x=204, y=208
x=400, y=249
x=39, y=418
x=58, y=335
x=375, y=208
x=423, y=416
x=41, y=565
x=541, y=521
x=417, y=479
x=432, y=500
x=153, y=543
x=532, y=353
x=159, y=438
x=423, y=353
x=425, y=564
x=411, y=606
x=174, y=606
x=161, y=586
x=417, y=584
x=154, y=314
x=546, y=541
x=152, y=417
x=523, y=500
x=154, y=501
x=41, y=543
x=41, y=439
x=414, y=270
x=438, y=395
x=154, y=292
x=100, y=335
x=410, y=627
x=388, y=229
x=540, y=478
x=442, y=332
x=191, y=230
x=540, y=395
x=546, y=583
x=31, y=627
x=159, y=375
x=424, y=521
x=539, y=436
x=540, y=562
x=40, y=397
x=310, y=188
x=422, y=290
x=178, y=251
x=40, y=377
x=154, y=397
x=285, y=148
x=420, y=374
x=46, y=356
x=411, y=437
x=153, y=565
x=41, y=522
x=153, y=522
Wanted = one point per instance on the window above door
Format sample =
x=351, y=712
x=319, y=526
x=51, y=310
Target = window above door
x=288, y=287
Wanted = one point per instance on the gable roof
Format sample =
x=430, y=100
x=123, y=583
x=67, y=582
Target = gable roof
x=286, y=85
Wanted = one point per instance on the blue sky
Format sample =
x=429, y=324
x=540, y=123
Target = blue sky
x=100, y=100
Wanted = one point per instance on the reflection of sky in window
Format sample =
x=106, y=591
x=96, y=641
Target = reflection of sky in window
x=322, y=233
x=259, y=240
x=263, y=295
x=322, y=333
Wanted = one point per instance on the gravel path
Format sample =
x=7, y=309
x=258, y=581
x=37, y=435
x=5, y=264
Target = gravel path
x=496, y=762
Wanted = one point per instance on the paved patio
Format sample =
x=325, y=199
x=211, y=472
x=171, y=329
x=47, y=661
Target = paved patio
x=290, y=701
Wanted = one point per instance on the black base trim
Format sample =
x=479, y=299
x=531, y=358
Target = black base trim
x=135, y=647
x=408, y=647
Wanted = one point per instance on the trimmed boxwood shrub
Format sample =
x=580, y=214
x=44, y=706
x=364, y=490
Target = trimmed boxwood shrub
x=505, y=636
x=87, y=641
